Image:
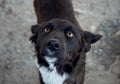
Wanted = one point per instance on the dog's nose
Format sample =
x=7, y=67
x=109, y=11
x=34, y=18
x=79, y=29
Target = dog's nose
x=53, y=44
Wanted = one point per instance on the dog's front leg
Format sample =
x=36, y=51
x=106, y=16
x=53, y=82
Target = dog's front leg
x=77, y=77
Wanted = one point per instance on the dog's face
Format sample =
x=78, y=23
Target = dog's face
x=61, y=39
x=57, y=39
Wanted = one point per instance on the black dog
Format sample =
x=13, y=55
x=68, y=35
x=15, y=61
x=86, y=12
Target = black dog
x=60, y=43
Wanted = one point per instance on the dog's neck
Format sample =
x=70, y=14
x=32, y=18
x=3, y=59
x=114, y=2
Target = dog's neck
x=50, y=74
x=51, y=9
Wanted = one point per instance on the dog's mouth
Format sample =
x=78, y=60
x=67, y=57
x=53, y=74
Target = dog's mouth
x=48, y=52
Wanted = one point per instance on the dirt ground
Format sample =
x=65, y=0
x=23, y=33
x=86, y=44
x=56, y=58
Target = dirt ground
x=98, y=16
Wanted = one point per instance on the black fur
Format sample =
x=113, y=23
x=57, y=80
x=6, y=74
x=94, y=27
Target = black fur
x=58, y=16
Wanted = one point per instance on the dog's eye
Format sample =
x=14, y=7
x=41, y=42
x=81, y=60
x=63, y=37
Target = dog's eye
x=70, y=34
x=46, y=30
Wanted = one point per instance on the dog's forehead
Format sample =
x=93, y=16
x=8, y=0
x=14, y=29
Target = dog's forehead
x=59, y=23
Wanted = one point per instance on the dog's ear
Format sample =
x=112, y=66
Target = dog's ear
x=34, y=29
x=90, y=38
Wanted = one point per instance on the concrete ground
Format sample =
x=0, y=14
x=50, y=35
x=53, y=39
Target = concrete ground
x=97, y=16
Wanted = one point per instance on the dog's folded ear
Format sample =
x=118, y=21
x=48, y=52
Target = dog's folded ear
x=34, y=29
x=90, y=38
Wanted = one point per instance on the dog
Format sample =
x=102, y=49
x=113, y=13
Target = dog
x=60, y=43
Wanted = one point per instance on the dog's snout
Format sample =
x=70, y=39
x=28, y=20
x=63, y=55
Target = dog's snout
x=53, y=44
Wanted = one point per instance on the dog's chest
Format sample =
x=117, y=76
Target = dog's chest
x=50, y=75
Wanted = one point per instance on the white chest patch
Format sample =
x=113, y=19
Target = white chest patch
x=51, y=77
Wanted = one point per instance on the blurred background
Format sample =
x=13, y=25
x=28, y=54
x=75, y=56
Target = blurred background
x=16, y=52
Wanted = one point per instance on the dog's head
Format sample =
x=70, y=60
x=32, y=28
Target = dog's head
x=62, y=40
